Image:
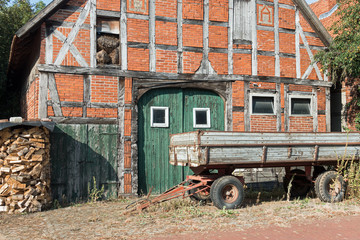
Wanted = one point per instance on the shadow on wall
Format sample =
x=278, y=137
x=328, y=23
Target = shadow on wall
x=80, y=152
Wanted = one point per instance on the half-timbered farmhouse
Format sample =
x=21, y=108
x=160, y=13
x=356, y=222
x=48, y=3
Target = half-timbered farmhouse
x=119, y=76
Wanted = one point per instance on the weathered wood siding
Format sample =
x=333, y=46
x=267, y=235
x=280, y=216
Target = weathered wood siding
x=261, y=149
x=79, y=153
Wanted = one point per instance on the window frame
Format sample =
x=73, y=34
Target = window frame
x=208, y=118
x=291, y=97
x=159, y=125
x=262, y=95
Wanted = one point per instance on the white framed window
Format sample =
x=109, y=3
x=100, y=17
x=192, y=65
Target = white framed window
x=201, y=118
x=300, y=105
x=159, y=116
x=263, y=104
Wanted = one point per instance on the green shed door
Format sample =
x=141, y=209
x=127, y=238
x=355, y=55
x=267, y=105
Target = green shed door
x=167, y=111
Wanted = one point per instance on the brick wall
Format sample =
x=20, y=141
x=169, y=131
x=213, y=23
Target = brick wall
x=104, y=89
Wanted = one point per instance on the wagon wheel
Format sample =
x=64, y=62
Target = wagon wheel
x=300, y=185
x=227, y=192
x=202, y=196
x=330, y=187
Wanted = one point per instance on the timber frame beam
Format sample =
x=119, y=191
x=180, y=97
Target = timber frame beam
x=116, y=72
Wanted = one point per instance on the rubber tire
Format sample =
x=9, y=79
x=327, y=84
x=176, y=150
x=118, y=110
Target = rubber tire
x=297, y=190
x=321, y=187
x=318, y=170
x=216, y=192
x=316, y=186
x=197, y=196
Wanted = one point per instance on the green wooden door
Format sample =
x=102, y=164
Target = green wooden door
x=80, y=153
x=153, y=142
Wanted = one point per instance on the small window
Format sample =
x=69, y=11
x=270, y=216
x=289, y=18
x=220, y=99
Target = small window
x=262, y=105
x=201, y=117
x=107, y=41
x=159, y=116
x=300, y=106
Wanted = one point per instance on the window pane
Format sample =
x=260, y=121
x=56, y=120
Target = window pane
x=158, y=115
x=201, y=117
x=300, y=106
x=263, y=105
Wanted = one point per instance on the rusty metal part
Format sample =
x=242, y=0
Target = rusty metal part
x=203, y=184
x=174, y=192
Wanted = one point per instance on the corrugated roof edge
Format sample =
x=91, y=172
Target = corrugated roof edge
x=48, y=124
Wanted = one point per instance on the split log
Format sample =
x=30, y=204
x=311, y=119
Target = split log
x=102, y=57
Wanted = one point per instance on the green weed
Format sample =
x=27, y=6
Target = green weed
x=95, y=194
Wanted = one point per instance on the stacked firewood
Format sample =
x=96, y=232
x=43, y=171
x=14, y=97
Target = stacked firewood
x=107, y=49
x=24, y=169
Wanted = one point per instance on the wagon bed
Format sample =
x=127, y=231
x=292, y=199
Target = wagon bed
x=216, y=149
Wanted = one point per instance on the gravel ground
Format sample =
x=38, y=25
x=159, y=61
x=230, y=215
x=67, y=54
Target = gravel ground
x=106, y=220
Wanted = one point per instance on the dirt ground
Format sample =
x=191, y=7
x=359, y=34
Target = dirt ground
x=179, y=219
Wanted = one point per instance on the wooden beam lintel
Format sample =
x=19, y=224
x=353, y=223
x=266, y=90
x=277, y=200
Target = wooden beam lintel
x=173, y=76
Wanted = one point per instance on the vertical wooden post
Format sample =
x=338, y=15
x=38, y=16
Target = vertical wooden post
x=179, y=37
x=87, y=92
x=123, y=34
x=93, y=33
x=286, y=108
x=121, y=139
x=276, y=38
x=152, y=50
x=206, y=37
x=315, y=109
x=229, y=110
x=43, y=95
x=254, y=38
x=278, y=107
x=247, y=106
x=48, y=45
x=230, y=37
x=327, y=109
x=297, y=43
x=54, y=95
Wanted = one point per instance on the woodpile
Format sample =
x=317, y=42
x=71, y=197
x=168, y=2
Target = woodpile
x=107, y=49
x=24, y=169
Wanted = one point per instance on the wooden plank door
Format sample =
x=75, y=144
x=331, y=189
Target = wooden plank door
x=153, y=140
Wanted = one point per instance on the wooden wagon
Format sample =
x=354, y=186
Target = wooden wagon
x=214, y=155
